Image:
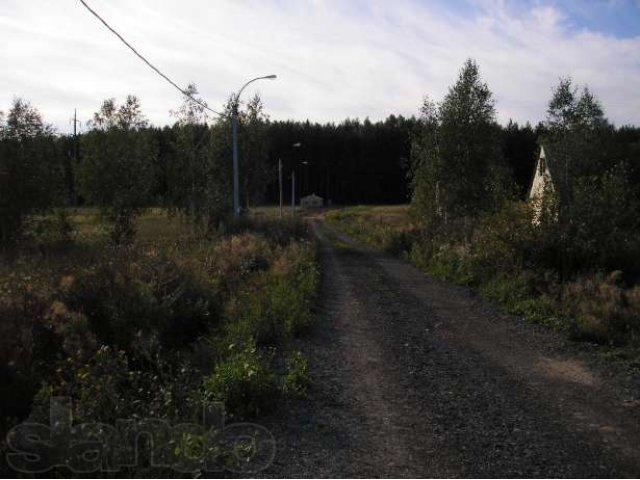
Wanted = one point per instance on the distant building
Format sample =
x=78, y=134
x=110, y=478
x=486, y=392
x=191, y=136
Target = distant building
x=311, y=201
x=549, y=177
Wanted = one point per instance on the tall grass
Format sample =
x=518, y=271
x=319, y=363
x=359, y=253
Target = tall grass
x=156, y=328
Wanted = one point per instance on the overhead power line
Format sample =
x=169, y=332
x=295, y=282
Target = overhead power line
x=184, y=92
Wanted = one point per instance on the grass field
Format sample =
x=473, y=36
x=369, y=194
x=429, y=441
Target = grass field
x=380, y=226
x=156, y=328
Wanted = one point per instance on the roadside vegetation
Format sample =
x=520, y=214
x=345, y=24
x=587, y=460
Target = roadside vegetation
x=157, y=328
x=570, y=262
x=149, y=300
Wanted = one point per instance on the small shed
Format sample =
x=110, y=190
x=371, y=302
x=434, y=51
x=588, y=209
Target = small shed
x=311, y=201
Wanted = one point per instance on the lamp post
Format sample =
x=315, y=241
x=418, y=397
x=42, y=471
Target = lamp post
x=293, y=181
x=234, y=127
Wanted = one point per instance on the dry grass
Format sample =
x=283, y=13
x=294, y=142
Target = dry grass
x=603, y=310
x=381, y=226
x=170, y=303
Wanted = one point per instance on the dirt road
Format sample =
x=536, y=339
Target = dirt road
x=412, y=377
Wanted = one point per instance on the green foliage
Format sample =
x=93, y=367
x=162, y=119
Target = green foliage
x=503, y=242
x=296, y=380
x=30, y=169
x=523, y=293
x=139, y=332
x=199, y=172
x=244, y=383
x=200, y=175
x=275, y=306
x=569, y=111
x=456, y=161
x=542, y=271
x=601, y=224
x=253, y=152
x=128, y=299
x=117, y=171
x=388, y=228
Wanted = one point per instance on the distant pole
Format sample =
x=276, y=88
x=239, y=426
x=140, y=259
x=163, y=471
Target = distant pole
x=236, y=175
x=293, y=180
x=293, y=192
x=280, y=183
x=305, y=190
x=72, y=193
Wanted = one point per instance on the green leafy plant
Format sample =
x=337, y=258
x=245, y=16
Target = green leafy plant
x=244, y=382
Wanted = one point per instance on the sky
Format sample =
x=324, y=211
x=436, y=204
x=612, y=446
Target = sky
x=334, y=59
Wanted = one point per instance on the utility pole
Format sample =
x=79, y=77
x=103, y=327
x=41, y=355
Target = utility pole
x=293, y=192
x=305, y=190
x=280, y=183
x=74, y=157
x=236, y=175
x=293, y=180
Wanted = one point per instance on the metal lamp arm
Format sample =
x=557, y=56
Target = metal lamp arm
x=237, y=99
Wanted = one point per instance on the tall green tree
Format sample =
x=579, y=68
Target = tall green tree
x=117, y=171
x=456, y=158
x=30, y=171
x=253, y=152
x=594, y=225
x=199, y=171
x=571, y=112
x=577, y=126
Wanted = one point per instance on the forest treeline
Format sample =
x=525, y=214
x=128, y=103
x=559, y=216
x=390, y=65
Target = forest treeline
x=121, y=163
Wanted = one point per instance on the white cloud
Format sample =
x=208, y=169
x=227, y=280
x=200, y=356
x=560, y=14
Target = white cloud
x=333, y=59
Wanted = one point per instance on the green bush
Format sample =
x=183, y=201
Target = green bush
x=244, y=382
x=520, y=294
x=27, y=350
x=126, y=296
x=296, y=380
x=502, y=241
x=451, y=263
x=276, y=305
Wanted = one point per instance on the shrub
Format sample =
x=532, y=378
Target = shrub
x=521, y=293
x=280, y=231
x=127, y=296
x=296, y=380
x=275, y=305
x=602, y=310
x=238, y=256
x=502, y=241
x=27, y=349
x=244, y=383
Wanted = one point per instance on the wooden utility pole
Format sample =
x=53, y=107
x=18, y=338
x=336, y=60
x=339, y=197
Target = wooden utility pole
x=293, y=192
x=74, y=157
x=280, y=183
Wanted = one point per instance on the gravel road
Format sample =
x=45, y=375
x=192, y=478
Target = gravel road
x=413, y=377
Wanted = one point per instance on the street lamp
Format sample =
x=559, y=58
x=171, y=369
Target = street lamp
x=293, y=181
x=234, y=123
